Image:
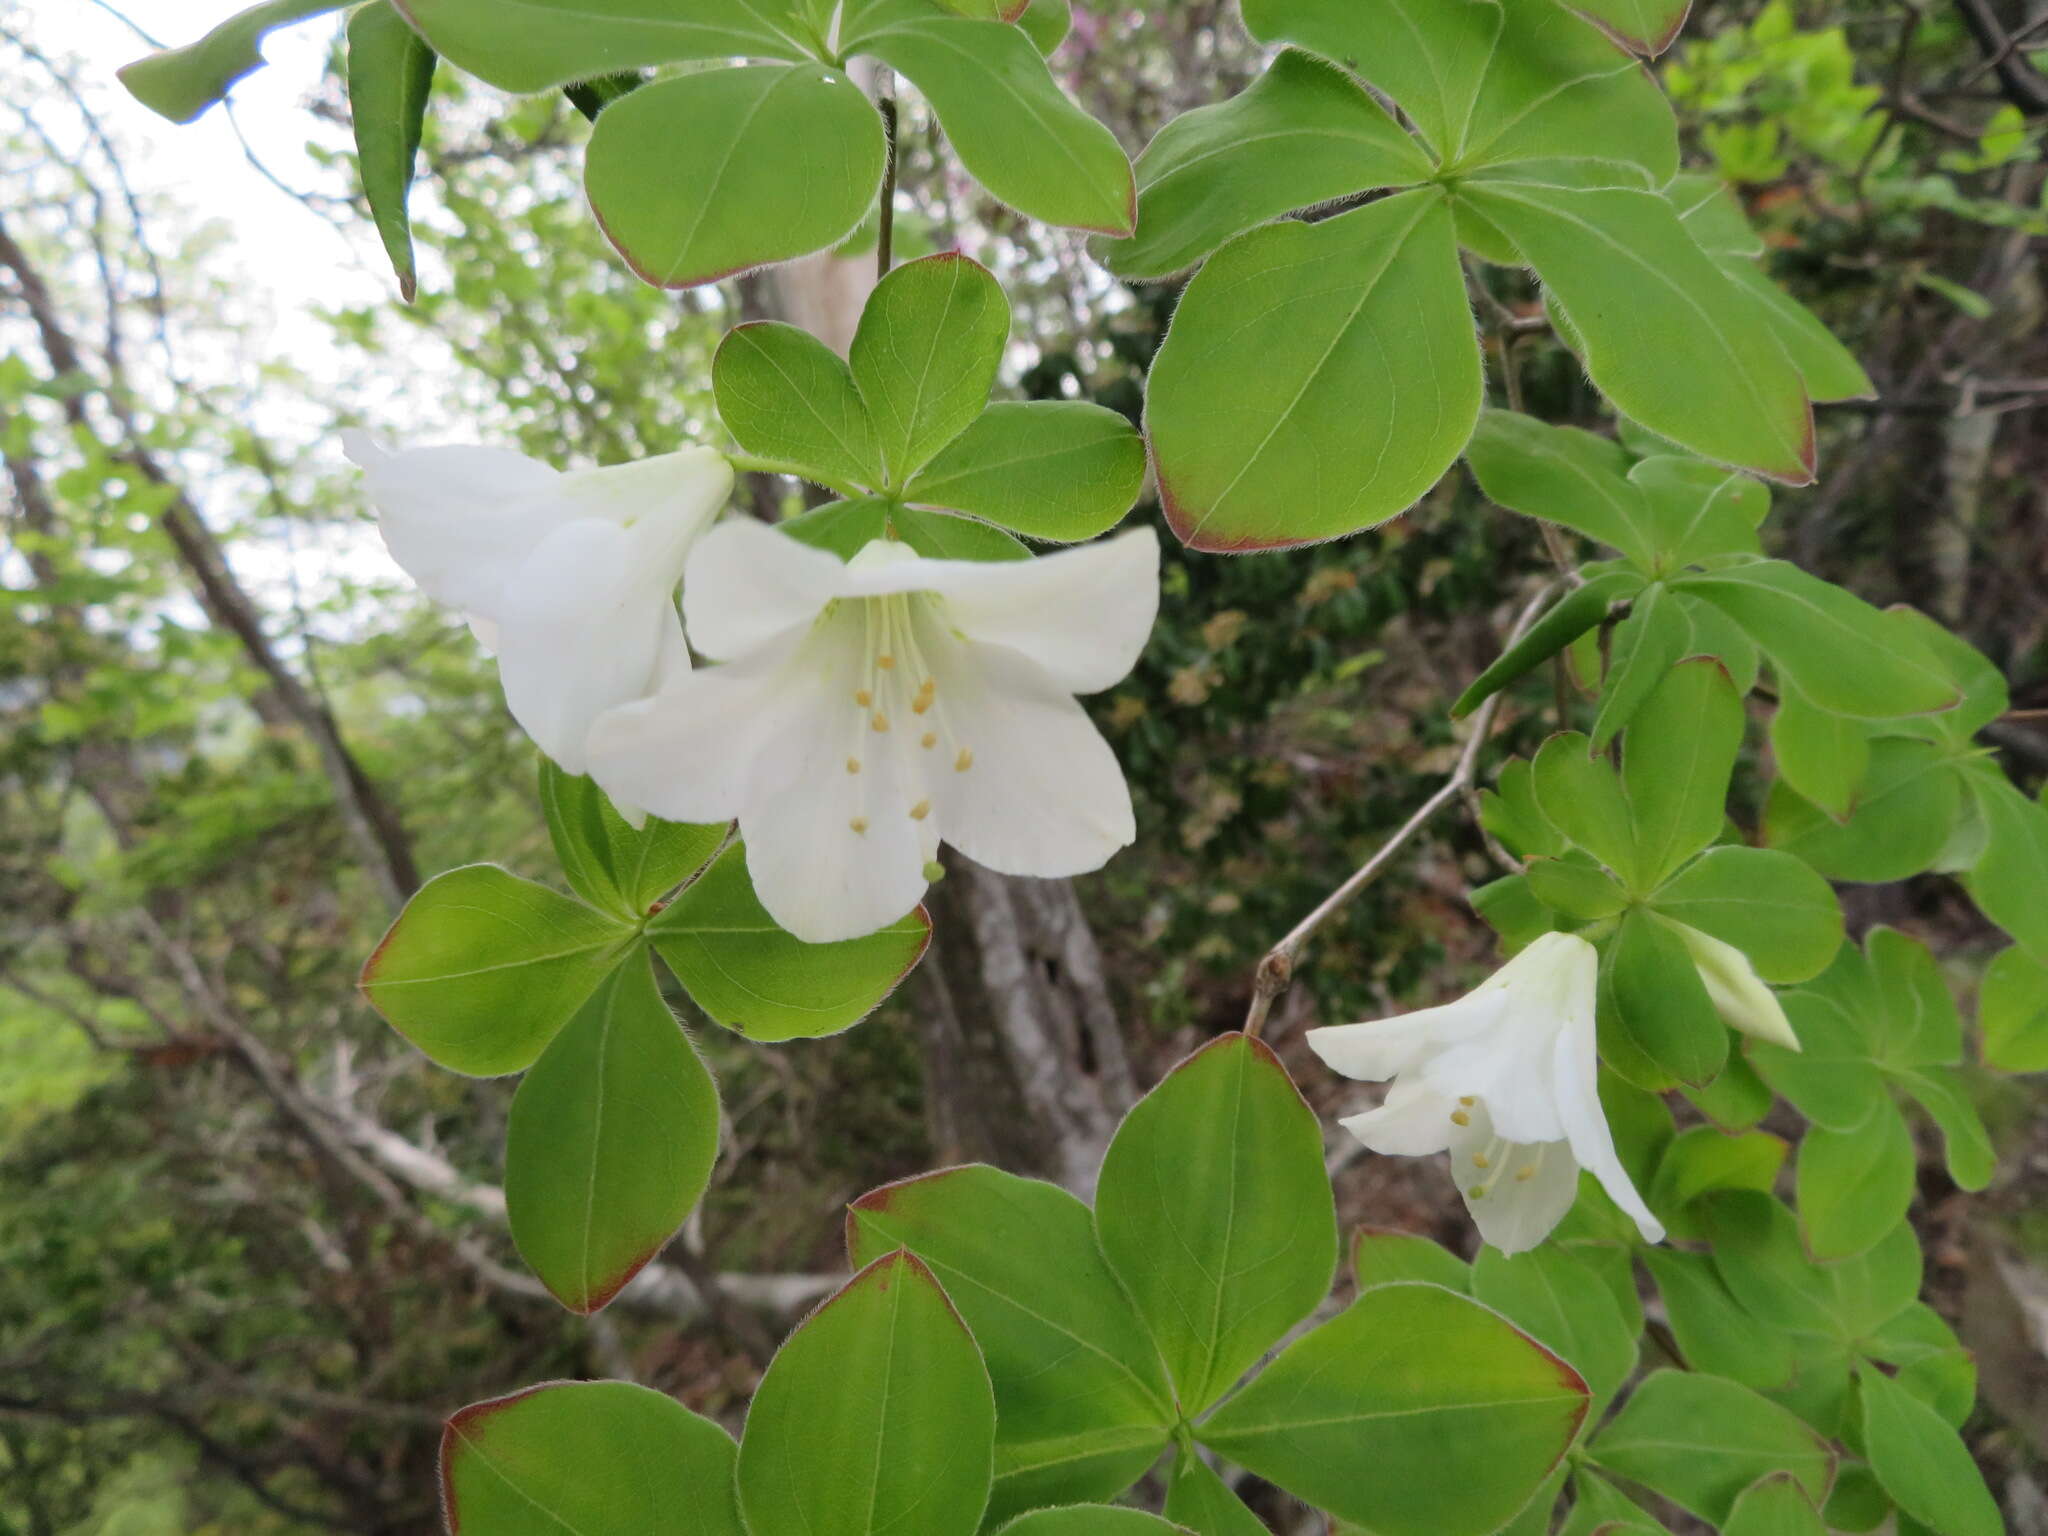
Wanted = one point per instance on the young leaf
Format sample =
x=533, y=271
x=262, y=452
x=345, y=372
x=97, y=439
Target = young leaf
x=1408, y=1375
x=2012, y=1012
x=608, y=862
x=1579, y=795
x=1565, y=475
x=1576, y=613
x=1767, y=904
x=482, y=968
x=705, y=175
x=1855, y=1184
x=390, y=72
x=1921, y=1462
x=785, y=395
x=1215, y=1213
x=1008, y=121
x=1049, y=469
x=876, y=1415
x=1271, y=418
x=558, y=42
x=1676, y=762
x=1701, y=1440
x=181, y=83
x=925, y=356
x=599, y=1456
x=1576, y=890
x=1202, y=1501
x=1646, y=645
x=1654, y=1007
x=1082, y=1401
x=610, y=1144
x=1304, y=133
x=759, y=981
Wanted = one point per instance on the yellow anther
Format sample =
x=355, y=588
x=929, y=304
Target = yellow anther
x=1477, y=1191
x=862, y=697
x=1524, y=1175
x=1468, y=1101
x=886, y=663
x=964, y=761
x=929, y=740
x=880, y=722
x=859, y=823
x=1481, y=1160
x=1459, y=1117
x=919, y=811
x=853, y=765
x=920, y=704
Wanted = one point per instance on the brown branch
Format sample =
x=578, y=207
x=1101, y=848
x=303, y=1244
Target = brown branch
x=2018, y=80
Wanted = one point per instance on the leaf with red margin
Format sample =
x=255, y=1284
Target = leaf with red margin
x=1641, y=26
x=1409, y=1375
x=596, y=1456
x=611, y=1142
x=876, y=1415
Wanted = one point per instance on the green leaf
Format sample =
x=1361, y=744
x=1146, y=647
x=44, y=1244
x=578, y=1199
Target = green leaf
x=1580, y=796
x=1304, y=133
x=1855, y=1184
x=1380, y=1255
x=1829, y=369
x=1758, y=1253
x=1215, y=1213
x=1774, y=1506
x=701, y=176
x=482, y=968
x=1767, y=904
x=1269, y=406
x=1983, y=685
x=181, y=83
x=1557, y=1300
x=1700, y=510
x=2012, y=872
x=1915, y=1022
x=558, y=42
x=942, y=536
x=1667, y=337
x=1921, y=1462
x=1830, y=1079
x=785, y=395
x=1577, y=612
x=1822, y=756
x=1676, y=763
x=390, y=73
x=1601, y=1509
x=1200, y=1500
x=1737, y=1099
x=1575, y=890
x=1510, y=909
x=876, y=1415
x=2012, y=1012
x=1010, y=124
x=1512, y=814
x=609, y=863
x=1939, y=1090
x=1090, y=1520
x=1701, y=1440
x=925, y=356
x=1715, y=1333
x=1702, y=1159
x=759, y=981
x=1049, y=469
x=1047, y=23
x=1565, y=475
x=1646, y=645
x=1836, y=649
x=1901, y=818
x=1646, y=26
x=1082, y=1401
x=597, y=1456
x=1407, y=1376
x=1933, y=1365
x=610, y=1144
x=1657, y=1024
x=842, y=528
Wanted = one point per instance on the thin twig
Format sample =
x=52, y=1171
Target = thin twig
x=1276, y=969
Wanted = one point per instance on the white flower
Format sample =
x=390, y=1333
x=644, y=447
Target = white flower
x=1506, y=1078
x=570, y=578
x=866, y=711
x=1737, y=992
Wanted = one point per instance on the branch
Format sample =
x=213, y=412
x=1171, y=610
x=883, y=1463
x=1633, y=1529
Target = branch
x=1276, y=969
x=2019, y=82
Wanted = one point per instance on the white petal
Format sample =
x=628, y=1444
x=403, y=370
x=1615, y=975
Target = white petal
x=1380, y=1048
x=1577, y=1077
x=712, y=743
x=486, y=632
x=683, y=492
x=1737, y=992
x=747, y=585
x=1523, y=1191
x=459, y=520
x=1082, y=614
x=584, y=627
x=1023, y=781
x=1414, y=1121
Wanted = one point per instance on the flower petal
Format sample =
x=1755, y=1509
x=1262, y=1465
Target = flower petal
x=1082, y=614
x=1576, y=1075
x=1414, y=1121
x=459, y=520
x=585, y=626
x=682, y=492
x=1381, y=1048
x=746, y=585
x=1737, y=992
x=1523, y=1191
x=1023, y=782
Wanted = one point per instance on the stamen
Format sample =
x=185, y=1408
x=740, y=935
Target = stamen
x=964, y=761
x=886, y=663
x=853, y=765
x=1524, y=1175
x=919, y=811
x=1481, y=1160
x=929, y=740
x=862, y=697
x=1468, y=1101
x=923, y=701
x=859, y=824
x=880, y=722
x=1459, y=1117
x=1477, y=1191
